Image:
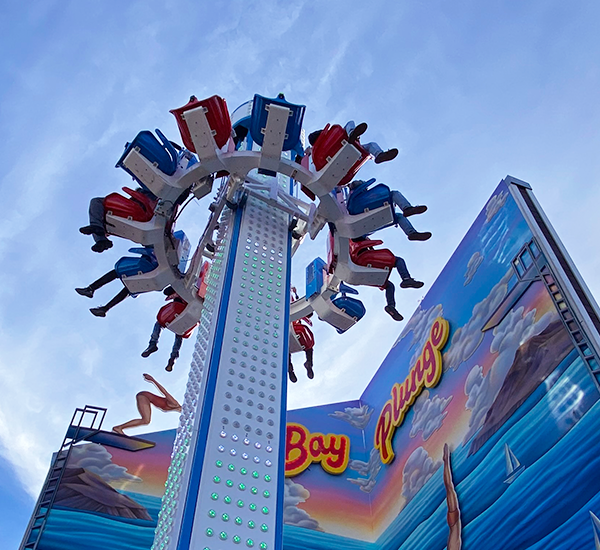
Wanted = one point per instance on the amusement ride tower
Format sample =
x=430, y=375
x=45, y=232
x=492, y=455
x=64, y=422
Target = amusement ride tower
x=226, y=480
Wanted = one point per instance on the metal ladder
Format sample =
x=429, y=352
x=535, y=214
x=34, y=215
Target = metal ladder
x=88, y=417
x=586, y=351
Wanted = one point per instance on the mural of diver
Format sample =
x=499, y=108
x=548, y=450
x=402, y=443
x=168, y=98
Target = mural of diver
x=145, y=399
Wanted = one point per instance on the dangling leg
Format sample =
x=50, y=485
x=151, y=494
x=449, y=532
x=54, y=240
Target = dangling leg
x=105, y=279
x=153, y=344
x=101, y=311
x=379, y=154
x=354, y=131
x=97, y=228
x=409, y=230
x=174, y=352
x=143, y=405
x=407, y=280
x=390, y=296
x=407, y=209
x=308, y=365
x=291, y=372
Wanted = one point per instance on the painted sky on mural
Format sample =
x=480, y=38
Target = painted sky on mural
x=468, y=92
x=475, y=366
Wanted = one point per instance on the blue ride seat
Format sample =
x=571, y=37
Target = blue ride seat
x=315, y=277
x=351, y=306
x=129, y=266
x=362, y=198
x=161, y=153
x=258, y=121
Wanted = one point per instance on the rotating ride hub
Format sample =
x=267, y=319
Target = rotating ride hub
x=226, y=480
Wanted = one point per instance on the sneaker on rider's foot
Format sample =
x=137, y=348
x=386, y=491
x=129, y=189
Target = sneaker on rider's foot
x=411, y=283
x=170, y=364
x=149, y=350
x=92, y=230
x=102, y=245
x=384, y=156
x=393, y=313
x=86, y=291
x=309, y=370
x=98, y=311
x=419, y=236
x=414, y=210
x=358, y=131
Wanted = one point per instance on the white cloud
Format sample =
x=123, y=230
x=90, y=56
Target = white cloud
x=467, y=338
x=472, y=266
x=295, y=494
x=357, y=417
x=494, y=205
x=429, y=414
x=417, y=471
x=96, y=459
x=368, y=470
x=481, y=390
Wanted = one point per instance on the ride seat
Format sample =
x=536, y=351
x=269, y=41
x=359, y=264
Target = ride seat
x=362, y=198
x=138, y=207
x=217, y=115
x=351, y=306
x=129, y=267
x=329, y=142
x=304, y=335
x=258, y=121
x=363, y=253
x=160, y=153
x=168, y=312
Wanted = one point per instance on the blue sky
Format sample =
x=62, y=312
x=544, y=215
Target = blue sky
x=468, y=91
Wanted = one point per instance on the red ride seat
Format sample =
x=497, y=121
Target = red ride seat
x=217, y=115
x=167, y=314
x=362, y=253
x=304, y=334
x=329, y=143
x=139, y=207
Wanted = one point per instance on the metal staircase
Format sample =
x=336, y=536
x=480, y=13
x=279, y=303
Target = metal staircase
x=571, y=323
x=530, y=264
x=82, y=421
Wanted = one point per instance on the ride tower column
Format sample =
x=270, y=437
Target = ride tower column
x=226, y=480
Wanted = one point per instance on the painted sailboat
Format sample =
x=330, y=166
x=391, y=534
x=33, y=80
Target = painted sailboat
x=596, y=528
x=513, y=467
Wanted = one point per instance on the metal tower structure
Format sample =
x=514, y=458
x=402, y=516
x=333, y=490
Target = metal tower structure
x=226, y=480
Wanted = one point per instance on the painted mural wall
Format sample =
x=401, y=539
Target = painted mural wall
x=500, y=451
x=478, y=431
x=109, y=497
